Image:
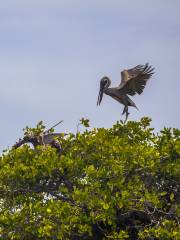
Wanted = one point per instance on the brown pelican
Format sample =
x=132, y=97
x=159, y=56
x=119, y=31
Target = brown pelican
x=44, y=139
x=132, y=81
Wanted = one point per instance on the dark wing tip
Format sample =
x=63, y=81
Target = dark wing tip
x=148, y=70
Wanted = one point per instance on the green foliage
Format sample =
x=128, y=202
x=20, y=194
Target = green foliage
x=34, y=131
x=117, y=183
x=84, y=122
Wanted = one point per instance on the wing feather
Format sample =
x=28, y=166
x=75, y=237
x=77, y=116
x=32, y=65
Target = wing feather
x=134, y=80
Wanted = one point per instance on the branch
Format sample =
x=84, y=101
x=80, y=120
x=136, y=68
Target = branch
x=47, y=131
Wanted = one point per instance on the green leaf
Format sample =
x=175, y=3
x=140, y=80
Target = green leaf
x=172, y=196
x=163, y=193
x=84, y=122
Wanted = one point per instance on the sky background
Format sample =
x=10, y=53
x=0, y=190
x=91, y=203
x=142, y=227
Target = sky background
x=54, y=52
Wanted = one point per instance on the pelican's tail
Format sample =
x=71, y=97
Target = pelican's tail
x=132, y=104
x=136, y=107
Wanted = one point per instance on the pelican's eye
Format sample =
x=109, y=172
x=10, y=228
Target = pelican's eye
x=105, y=81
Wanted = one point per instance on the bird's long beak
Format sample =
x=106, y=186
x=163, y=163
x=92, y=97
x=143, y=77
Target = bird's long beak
x=100, y=96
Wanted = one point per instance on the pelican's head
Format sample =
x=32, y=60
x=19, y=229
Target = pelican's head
x=104, y=84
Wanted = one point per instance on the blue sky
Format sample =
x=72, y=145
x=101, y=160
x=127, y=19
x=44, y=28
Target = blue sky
x=53, y=54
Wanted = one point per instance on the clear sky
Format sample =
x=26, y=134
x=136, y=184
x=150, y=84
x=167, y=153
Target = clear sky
x=54, y=52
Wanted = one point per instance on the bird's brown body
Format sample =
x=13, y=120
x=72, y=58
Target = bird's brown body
x=123, y=99
x=132, y=81
x=44, y=139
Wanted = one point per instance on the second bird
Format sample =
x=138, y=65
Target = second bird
x=132, y=81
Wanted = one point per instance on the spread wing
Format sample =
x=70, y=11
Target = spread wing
x=134, y=80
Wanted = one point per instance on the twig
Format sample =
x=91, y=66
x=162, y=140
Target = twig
x=47, y=131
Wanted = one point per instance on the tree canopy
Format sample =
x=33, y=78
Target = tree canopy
x=116, y=183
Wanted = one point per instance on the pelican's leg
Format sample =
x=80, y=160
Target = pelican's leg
x=126, y=111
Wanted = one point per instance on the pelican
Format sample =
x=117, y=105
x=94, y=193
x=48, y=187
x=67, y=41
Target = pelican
x=132, y=81
x=44, y=139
